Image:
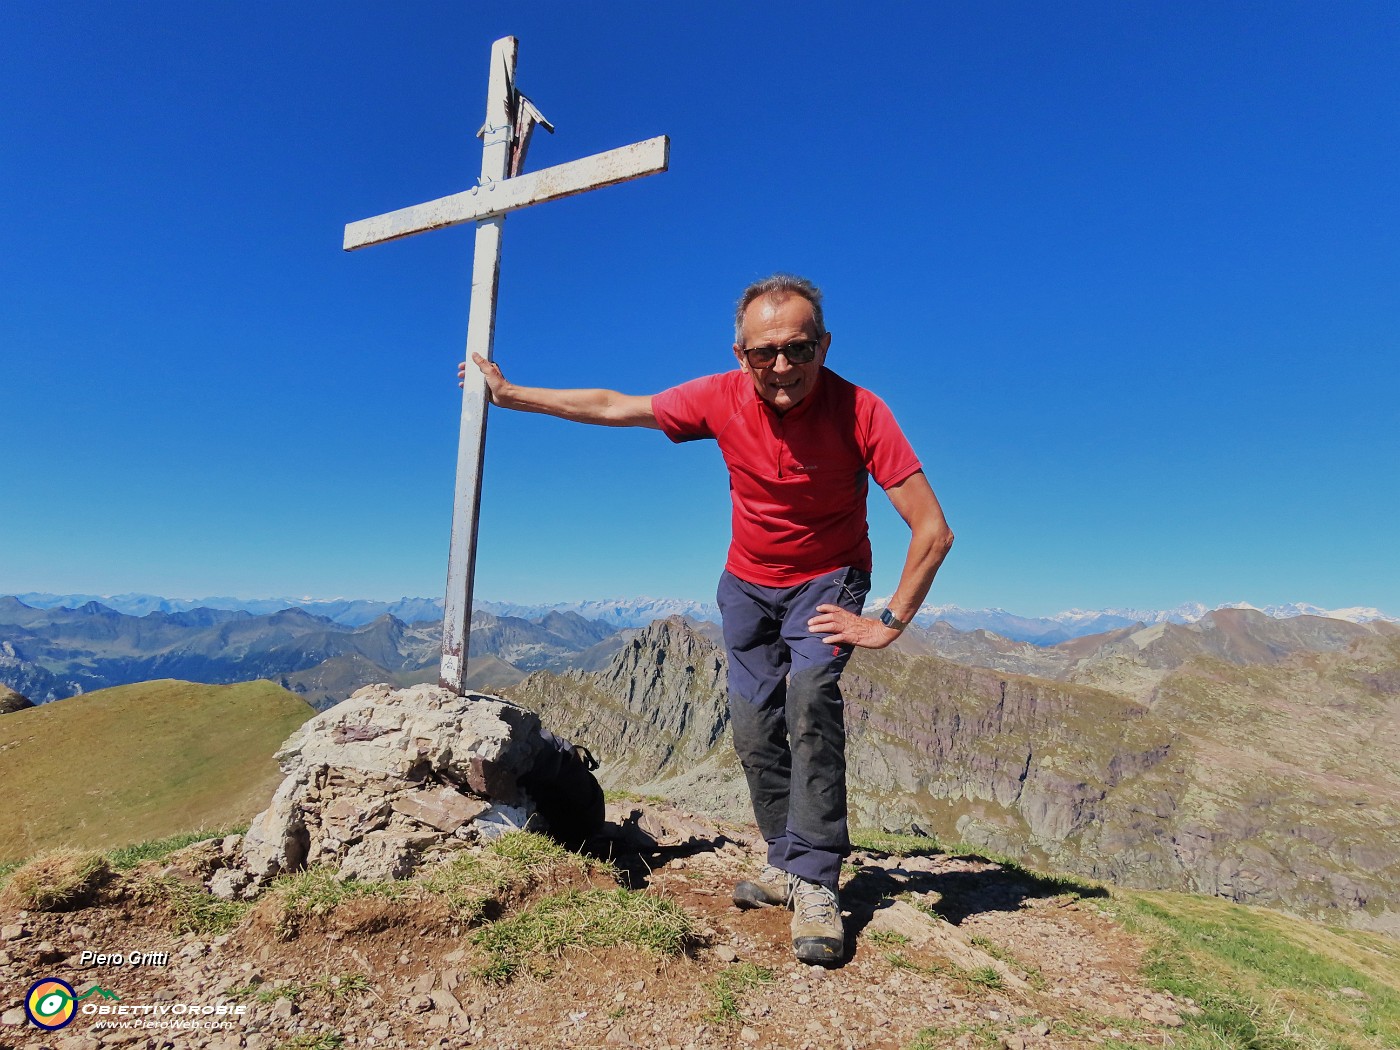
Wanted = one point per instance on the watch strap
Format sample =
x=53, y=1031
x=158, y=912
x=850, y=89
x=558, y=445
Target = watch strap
x=890, y=620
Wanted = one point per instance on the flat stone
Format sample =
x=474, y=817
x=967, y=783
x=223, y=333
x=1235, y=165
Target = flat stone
x=228, y=883
x=445, y=1000
x=443, y=808
x=383, y=855
x=12, y=933
x=283, y=1009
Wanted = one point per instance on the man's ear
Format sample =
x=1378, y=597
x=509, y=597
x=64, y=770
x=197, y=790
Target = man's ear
x=743, y=361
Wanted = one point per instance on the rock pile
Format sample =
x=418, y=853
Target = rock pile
x=381, y=782
x=11, y=701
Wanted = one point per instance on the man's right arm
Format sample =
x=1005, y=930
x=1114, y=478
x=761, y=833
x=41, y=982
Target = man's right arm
x=605, y=408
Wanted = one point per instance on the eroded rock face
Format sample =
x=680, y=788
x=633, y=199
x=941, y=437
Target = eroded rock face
x=388, y=777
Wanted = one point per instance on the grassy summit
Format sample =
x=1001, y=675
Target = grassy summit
x=139, y=761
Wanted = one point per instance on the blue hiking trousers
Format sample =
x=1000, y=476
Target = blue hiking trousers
x=788, y=717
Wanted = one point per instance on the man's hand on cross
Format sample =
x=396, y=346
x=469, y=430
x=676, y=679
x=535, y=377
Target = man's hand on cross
x=496, y=385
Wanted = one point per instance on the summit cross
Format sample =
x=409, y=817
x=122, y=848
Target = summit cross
x=502, y=188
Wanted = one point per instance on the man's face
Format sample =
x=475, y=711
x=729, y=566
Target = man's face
x=767, y=323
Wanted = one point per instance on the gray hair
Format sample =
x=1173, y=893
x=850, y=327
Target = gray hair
x=779, y=287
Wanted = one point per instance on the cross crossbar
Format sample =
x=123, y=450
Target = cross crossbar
x=497, y=198
x=501, y=188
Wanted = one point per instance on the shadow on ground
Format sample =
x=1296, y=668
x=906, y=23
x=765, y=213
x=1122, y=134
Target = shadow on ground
x=967, y=885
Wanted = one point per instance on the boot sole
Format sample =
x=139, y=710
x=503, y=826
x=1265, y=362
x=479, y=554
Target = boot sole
x=819, y=951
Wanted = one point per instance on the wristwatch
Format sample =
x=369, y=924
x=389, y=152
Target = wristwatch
x=890, y=620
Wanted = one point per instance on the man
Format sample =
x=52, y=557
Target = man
x=799, y=442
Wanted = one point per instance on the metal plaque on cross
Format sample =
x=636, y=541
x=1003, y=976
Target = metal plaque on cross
x=502, y=188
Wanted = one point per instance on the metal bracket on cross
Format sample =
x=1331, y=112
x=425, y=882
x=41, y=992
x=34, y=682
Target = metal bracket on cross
x=502, y=188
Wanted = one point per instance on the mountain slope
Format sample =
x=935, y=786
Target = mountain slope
x=140, y=761
x=1275, y=781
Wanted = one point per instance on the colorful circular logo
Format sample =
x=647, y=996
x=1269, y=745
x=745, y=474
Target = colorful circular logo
x=50, y=1003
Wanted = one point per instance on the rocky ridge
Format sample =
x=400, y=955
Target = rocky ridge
x=1222, y=757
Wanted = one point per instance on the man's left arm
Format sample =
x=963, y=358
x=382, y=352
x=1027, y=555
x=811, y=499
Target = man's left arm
x=929, y=543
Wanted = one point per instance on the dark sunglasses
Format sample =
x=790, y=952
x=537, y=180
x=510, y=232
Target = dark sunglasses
x=799, y=353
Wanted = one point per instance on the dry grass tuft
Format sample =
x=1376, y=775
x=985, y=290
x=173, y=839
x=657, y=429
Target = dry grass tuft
x=57, y=881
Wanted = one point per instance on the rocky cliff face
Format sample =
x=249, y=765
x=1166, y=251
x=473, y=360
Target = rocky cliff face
x=659, y=706
x=1253, y=767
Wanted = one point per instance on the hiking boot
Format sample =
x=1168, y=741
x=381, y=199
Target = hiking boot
x=817, y=934
x=771, y=890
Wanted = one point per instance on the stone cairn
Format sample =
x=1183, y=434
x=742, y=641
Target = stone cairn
x=386, y=781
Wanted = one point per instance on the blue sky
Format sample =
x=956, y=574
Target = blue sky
x=1128, y=274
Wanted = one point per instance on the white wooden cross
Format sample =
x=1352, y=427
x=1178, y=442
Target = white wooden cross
x=510, y=118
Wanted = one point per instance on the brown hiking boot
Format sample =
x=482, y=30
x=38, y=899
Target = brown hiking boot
x=818, y=937
x=770, y=890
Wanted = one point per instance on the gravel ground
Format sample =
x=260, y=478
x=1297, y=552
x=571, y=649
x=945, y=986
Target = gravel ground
x=943, y=951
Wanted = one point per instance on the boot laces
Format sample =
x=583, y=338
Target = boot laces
x=815, y=903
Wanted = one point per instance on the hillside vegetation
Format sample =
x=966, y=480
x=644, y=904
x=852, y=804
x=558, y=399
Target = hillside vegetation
x=140, y=761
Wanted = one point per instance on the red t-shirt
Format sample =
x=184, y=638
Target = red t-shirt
x=797, y=480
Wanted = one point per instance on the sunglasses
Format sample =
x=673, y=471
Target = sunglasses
x=799, y=353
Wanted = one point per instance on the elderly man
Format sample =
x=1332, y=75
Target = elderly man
x=800, y=443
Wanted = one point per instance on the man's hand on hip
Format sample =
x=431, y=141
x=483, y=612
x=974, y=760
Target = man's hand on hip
x=842, y=627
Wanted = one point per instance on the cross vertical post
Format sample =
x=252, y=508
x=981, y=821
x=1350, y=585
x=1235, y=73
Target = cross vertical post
x=502, y=188
x=497, y=133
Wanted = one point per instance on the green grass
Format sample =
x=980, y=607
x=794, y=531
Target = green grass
x=124, y=858
x=308, y=1041
x=172, y=756
x=986, y=976
x=318, y=891
x=894, y=843
x=190, y=909
x=583, y=919
x=886, y=938
x=983, y=1034
x=1264, y=981
x=336, y=987
x=473, y=882
x=729, y=986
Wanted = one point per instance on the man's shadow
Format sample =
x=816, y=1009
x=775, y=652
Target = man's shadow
x=952, y=895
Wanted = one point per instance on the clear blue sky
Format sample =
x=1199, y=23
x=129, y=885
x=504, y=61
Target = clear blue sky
x=1128, y=274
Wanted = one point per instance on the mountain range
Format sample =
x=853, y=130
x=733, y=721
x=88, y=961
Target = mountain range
x=49, y=654
x=1240, y=756
x=638, y=612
